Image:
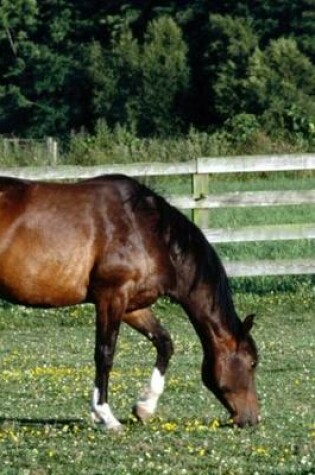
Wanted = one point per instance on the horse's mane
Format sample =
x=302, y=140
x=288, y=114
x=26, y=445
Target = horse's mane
x=189, y=241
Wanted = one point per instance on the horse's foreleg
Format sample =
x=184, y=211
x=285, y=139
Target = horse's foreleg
x=107, y=328
x=145, y=322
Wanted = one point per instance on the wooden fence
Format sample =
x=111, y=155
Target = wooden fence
x=200, y=201
x=37, y=148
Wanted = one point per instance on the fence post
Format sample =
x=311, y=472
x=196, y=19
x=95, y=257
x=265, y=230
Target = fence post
x=200, y=191
x=6, y=145
x=52, y=147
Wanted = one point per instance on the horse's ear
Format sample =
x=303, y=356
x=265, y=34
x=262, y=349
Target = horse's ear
x=248, y=323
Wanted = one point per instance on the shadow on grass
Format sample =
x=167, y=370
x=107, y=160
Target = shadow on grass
x=70, y=422
x=25, y=421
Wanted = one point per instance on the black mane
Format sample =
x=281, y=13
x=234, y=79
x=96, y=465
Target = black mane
x=188, y=240
x=7, y=181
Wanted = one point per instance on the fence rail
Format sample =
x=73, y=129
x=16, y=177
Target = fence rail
x=267, y=267
x=200, y=201
x=197, y=167
x=283, y=232
x=244, y=199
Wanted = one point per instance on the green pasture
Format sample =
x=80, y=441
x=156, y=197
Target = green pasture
x=46, y=374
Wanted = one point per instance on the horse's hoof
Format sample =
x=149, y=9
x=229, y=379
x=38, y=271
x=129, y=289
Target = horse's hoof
x=114, y=427
x=117, y=428
x=141, y=413
x=95, y=418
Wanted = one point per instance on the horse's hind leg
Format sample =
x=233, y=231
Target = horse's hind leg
x=145, y=322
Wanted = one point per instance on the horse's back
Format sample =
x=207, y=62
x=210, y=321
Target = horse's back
x=58, y=240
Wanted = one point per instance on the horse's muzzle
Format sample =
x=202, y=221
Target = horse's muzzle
x=247, y=418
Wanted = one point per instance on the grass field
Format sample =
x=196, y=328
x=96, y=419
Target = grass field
x=46, y=373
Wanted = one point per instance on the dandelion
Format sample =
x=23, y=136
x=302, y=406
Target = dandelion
x=215, y=424
x=169, y=426
x=260, y=451
x=13, y=436
x=76, y=429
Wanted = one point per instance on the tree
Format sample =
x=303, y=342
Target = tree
x=280, y=87
x=139, y=86
x=17, y=22
x=115, y=76
x=231, y=44
x=165, y=77
x=155, y=67
x=285, y=18
x=304, y=27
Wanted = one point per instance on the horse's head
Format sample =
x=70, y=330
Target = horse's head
x=229, y=374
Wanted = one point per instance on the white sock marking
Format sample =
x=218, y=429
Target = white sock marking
x=149, y=399
x=157, y=382
x=102, y=412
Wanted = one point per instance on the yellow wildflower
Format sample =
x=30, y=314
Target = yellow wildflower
x=260, y=451
x=215, y=424
x=169, y=426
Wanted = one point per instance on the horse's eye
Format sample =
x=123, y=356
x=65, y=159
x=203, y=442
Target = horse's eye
x=253, y=364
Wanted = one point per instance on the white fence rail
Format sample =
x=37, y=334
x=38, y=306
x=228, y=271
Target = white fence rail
x=200, y=201
x=199, y=166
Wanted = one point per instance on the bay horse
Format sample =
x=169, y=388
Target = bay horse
x=113, y=242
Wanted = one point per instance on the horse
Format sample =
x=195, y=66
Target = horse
x=113, y=242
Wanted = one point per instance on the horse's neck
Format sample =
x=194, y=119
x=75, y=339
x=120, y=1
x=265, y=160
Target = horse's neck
x=205, y=296
x=210, y=316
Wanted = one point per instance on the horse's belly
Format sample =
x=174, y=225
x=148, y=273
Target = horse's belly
x=45, y=265
x=44, y=278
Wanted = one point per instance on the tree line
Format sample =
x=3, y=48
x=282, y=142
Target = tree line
x=157, y=68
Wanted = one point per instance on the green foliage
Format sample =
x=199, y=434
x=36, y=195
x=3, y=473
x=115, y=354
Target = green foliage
x=232, y=42
x=122, y=145
x=138, y=86
x=157, y=69
x=242, y=128
x=24, y=153
x=165, y=77
x=114, y=78
x=36, y=72
x=17, y=22
x=306, y=27
x=280, y=87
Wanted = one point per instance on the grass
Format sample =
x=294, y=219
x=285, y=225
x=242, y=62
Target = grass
x=46, y=375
